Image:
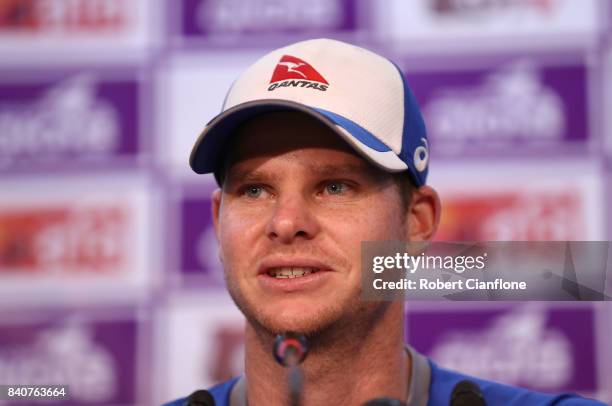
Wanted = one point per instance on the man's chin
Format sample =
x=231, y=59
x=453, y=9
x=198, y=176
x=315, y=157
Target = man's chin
x=273, y=317
x=308, y=323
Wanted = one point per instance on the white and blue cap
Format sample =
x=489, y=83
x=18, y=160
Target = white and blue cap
x=362, y=96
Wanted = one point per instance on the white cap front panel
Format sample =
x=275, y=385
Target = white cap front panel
x=331, y=75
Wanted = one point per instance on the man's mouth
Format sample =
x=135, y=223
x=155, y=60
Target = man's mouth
x=291, y=272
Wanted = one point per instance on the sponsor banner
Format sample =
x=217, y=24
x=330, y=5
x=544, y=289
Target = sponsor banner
x=75, y=239
x=514, y=107
x=608, y=200
x=455, y=21
x=199, y=248
x=191, y=89
x=56, y=118
x=202, y=339
x=534, y=345
x=233, y=20
x=606, y=90
x=28, y=27
x=538, y=201
x=94, y=355
x=541, y=216
x=27, y=229
x=194, y=253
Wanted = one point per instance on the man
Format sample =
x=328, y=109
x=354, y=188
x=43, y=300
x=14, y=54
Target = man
x=321, y=146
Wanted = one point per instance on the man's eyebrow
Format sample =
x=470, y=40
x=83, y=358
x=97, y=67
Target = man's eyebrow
x=246, y=175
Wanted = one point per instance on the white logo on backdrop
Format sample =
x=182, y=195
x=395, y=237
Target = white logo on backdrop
x=66, y=118
x=65, y=355
x=510, y=104
x=538, y=217
x=70, y=15
x=266, y=15
x=88, y=240
x=517, y=348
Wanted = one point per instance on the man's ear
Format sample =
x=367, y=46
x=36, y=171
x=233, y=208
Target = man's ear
x=216, y=209
x=424, y=214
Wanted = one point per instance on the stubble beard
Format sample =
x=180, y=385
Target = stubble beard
x=349, y=317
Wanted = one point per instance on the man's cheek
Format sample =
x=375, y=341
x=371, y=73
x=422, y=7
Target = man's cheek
x=232, y=257
x=225, y=252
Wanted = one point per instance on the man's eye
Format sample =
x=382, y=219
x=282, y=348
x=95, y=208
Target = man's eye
x=253, y=191
x=335, y=188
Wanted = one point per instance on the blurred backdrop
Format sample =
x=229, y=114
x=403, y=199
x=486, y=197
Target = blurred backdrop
x=109, y=277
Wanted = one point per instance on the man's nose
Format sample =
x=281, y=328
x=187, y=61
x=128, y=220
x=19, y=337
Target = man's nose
x=292, y=218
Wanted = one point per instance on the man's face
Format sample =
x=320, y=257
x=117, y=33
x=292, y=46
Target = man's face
x=295, y=205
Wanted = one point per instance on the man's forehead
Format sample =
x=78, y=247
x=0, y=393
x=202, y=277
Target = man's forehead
x=250, y=171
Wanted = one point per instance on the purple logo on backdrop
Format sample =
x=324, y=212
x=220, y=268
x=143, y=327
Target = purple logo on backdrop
x=541, y=348
x=211, y=17
x=76, y=118
x=95, y=359
x=199, y=249
x=516, y=104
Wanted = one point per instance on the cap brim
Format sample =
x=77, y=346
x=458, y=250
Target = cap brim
x=207, y=153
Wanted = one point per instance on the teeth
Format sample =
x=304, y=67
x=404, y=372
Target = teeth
x=296, y=272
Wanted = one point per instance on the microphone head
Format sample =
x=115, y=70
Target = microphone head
x=290, y=349
x=200, y=398
x=467, y=393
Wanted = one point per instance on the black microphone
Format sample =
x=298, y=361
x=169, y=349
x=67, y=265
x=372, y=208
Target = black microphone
x=384, y=402
x=467, y=393
x=289, y=350
x=200, y=398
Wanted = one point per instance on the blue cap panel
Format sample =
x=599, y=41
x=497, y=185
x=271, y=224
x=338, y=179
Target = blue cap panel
x=414, y=134
x=357, y=131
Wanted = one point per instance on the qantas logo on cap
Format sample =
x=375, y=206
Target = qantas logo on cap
x=294, y=72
